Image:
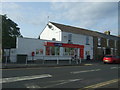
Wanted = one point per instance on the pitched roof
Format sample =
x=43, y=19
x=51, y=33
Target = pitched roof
x=77, y=30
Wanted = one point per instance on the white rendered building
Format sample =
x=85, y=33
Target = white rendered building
x=68, y=34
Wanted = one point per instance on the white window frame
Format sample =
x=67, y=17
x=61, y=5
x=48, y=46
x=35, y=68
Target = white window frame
x=115, y=43
x=70, y=36
x=99, y=41
x=87, y=40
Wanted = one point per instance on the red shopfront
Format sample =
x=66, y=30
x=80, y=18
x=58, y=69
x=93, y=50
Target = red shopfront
x=52, y=46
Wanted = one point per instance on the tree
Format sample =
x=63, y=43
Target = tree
x=10, y=31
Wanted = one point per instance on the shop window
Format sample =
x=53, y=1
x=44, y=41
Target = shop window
x=47, y=50
x=37, y=51
x=57, y=50
x=75, y=51
x=66, y=51
x=52, y=50
x=70, y=51
x=41, y=51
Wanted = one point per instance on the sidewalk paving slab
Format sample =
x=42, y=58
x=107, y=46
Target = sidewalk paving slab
x=83, y=63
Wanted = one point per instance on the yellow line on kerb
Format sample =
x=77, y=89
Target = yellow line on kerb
x=102, y=84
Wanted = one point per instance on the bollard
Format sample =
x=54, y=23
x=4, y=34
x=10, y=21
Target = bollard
x=6, y=61
x=26, y=61
x=57, y=60
x=80, y=60
x=43, y=60
x=76, y=61
x=69, y=60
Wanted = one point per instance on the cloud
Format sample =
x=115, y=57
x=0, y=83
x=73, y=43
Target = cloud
x=20, y=14
x=59, y=1
x=13, y=11
x=91, y=15
x=75, y=11
x=11, y=5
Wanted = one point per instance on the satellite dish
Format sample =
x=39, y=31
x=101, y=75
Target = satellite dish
x=50, y=26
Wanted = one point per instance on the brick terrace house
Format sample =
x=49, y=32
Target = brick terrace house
x=100, y=43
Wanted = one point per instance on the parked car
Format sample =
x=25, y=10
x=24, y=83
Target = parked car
x=111, y=59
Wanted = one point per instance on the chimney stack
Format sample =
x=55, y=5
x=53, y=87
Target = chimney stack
x=107, y=32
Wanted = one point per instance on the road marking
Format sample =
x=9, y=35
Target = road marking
x=76, y=72
x=102, y=84
x=14, y=79
x=114, y=68
x=62, y=82
x=32, y=86
x=59, y=82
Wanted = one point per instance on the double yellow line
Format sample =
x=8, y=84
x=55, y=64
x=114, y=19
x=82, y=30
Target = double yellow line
x=102, y=84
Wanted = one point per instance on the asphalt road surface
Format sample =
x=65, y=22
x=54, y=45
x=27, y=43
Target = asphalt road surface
x=89, y=76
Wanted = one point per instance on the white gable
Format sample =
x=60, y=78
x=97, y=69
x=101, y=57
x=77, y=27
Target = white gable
x=51, y=32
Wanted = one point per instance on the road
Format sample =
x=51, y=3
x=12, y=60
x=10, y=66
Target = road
x=89, y=76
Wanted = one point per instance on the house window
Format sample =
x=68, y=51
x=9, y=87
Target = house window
x=115, y=43
x=99, y=41
x=69, y=37
x=65, y=38
x=87, y=40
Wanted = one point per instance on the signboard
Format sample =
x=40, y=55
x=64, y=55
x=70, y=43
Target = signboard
x=58, y=44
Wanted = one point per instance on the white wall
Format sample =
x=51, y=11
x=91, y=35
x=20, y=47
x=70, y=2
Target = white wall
x=81, y=40
x=29, y=45
x=49, y=34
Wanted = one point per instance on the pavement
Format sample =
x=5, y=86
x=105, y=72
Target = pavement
x=49, y=64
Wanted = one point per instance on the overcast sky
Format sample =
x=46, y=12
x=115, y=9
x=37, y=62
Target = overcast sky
x=32, y=17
